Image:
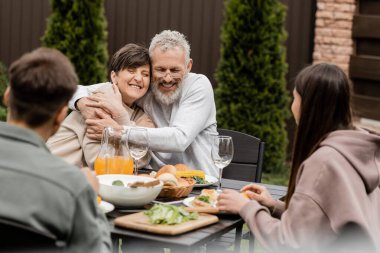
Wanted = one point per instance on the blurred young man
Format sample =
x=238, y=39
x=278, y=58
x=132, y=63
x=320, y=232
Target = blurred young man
x=181, y=105
x=38, y=189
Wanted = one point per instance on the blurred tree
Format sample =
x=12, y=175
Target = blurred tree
x=251, y=96
x=3, y=86
x=78, y=29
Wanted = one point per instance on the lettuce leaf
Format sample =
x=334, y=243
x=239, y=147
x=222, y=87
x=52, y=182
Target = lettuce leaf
x=169, y=214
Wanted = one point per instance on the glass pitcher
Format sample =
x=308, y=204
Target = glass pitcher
x=113, y=157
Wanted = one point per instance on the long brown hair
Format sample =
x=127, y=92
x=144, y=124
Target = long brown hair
x=325, y=107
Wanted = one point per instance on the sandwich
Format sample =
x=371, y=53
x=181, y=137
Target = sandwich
x=207, y=198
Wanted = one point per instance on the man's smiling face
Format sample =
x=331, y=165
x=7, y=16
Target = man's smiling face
x=168, y=71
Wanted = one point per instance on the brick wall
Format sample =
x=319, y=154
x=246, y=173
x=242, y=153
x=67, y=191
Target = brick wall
x=333, y=32
x=333, y=40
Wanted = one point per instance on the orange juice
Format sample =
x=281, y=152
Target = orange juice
x=116, y=165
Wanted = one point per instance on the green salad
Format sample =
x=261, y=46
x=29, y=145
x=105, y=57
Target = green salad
x=169, y=214
x=199, y=180
x=204, y=199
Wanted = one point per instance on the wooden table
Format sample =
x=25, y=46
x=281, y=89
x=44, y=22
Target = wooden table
x=136, y=241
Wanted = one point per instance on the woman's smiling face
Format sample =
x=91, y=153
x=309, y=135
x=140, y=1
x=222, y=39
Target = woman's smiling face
x=133, y=83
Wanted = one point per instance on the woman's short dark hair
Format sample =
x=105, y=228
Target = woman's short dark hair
x=41, y=82
x=129, y=56
x=325, y=107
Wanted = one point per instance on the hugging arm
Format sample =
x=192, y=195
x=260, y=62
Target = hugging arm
x=191, y=118
x=82, y=92
x=103, y=109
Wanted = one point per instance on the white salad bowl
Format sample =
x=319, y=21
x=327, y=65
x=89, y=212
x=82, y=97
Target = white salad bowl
x=124, y=195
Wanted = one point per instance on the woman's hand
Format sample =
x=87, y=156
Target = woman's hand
x=111, y=102
x=231, y=201
x=87, y=111
x=95, y=126
x=260, y=194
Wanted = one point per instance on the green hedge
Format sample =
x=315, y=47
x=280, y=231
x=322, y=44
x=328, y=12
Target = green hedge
x=251, y=96
x=3, y=86
x=78, y=29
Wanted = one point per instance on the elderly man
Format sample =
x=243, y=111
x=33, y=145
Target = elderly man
x=180, y=103
x=38, y=189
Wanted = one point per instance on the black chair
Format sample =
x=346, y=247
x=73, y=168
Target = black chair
x=17, y=237
x=247, y=163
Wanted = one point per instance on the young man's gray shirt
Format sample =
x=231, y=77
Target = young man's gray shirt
x=42, y=191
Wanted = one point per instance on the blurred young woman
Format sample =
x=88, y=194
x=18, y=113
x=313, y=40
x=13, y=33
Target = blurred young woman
x=333, y=200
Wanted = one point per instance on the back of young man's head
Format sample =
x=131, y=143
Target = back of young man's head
x=40, y=84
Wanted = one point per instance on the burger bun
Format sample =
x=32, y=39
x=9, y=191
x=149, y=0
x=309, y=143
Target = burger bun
x=166, y=169
x=168, y=179
x=181, y=167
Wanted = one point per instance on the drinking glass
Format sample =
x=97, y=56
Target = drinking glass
x=222, y=152
x=138, y=144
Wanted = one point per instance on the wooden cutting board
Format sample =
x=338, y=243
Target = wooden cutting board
x=201, y=209
x=140, y=221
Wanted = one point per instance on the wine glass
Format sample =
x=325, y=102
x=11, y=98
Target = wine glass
x=138, y=144
x=222, y=152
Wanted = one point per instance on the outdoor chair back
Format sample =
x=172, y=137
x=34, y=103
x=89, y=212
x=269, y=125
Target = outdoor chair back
x=17, y=237
x=247, y=163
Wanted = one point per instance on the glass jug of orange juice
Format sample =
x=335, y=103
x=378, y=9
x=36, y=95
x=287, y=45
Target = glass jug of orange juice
x=113, y=157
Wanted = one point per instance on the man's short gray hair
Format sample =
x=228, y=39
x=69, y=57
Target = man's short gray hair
x=168, y=39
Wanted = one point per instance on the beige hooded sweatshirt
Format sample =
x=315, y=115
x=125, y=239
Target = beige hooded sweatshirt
x=336, y=203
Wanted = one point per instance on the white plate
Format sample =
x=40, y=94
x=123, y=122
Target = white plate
x=106, y=207
x=189, y=202
x=210, y=179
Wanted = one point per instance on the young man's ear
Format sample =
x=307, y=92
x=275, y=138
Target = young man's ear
x=60, y=115
x=6, y=96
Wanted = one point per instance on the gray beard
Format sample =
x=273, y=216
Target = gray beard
x=169, y=98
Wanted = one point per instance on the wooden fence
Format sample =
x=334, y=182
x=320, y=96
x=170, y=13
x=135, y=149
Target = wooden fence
x=365, y=64
x=23, y=22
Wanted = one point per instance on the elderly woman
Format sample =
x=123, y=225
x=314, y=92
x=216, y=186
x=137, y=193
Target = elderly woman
x=129, y=73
